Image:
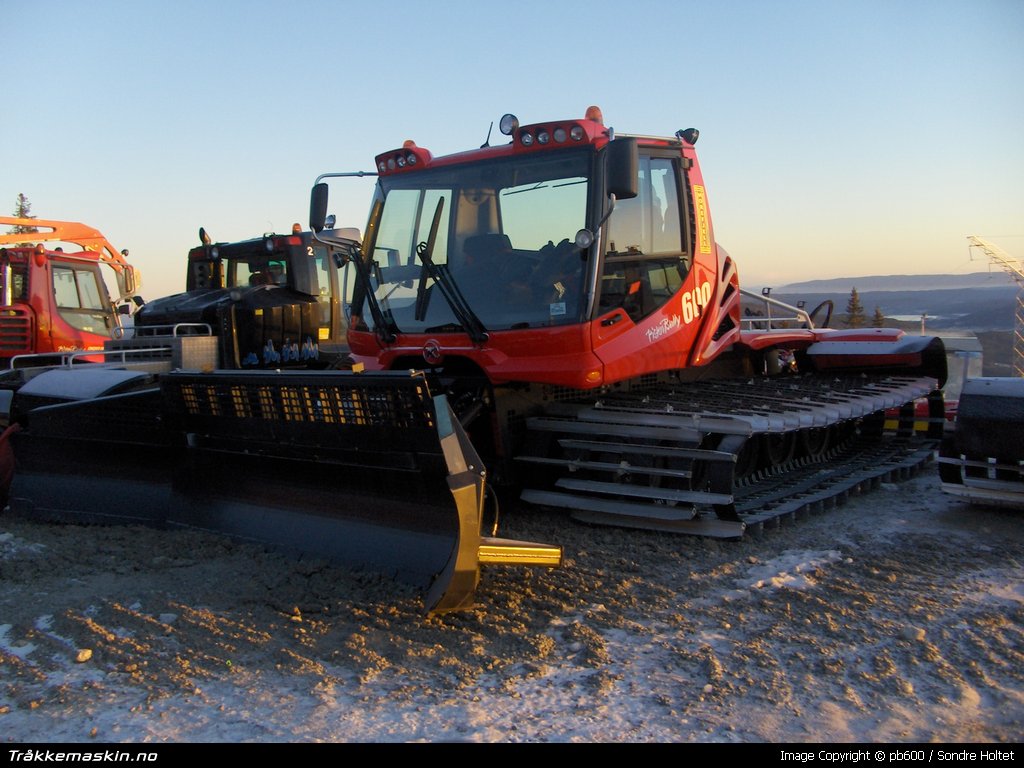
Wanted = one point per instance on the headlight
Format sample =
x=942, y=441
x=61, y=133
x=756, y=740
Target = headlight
x=508, y=124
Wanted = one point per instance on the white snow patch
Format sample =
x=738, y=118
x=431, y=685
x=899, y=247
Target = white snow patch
x=1000, y=585
x=11, y=545
x=1009, y=591
x=21, y=651
x=792, y=570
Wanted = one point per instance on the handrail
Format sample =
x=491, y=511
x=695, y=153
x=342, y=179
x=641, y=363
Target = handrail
x=168, y=330
x=67, y=359
x=767, y=321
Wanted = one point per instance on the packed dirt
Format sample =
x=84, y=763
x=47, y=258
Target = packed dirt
x=895, y=618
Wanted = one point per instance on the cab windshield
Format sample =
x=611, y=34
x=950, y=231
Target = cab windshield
x=256, y=269
x=503, y=240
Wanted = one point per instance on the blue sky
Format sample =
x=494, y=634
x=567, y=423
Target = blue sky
x=837, y=138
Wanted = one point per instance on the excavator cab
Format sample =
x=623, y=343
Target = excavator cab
x=54, y=291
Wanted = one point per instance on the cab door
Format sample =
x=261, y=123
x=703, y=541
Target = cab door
x=334, y=296
x=84, y=317
x=642, y=321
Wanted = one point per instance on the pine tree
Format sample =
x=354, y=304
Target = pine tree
x=854, y=311
x=878, y=321
x=23, y=210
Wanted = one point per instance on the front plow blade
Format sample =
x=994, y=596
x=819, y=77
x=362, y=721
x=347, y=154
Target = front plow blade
x=360, y=469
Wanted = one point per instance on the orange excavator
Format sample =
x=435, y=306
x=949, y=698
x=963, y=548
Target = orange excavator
x=57, y=301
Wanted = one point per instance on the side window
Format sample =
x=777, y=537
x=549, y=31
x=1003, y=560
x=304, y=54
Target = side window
x=64, y=288
x=666, y=236
x=645, y=263
x=649, y=222
x=19, y=281
x=88, y=289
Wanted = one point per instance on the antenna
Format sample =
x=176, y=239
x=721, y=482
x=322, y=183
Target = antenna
x=487, y=141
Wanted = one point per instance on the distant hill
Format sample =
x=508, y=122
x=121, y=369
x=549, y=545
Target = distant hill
x=980, y=301
x=900, y=283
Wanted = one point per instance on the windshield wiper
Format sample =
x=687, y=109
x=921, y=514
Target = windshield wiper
x=446, y=284
x=538, y=185
x=383, y=323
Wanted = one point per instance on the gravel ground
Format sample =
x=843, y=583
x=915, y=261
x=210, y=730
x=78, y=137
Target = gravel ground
x=895, y=618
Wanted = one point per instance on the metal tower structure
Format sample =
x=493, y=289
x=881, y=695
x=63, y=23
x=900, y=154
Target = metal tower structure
x=1015, y=269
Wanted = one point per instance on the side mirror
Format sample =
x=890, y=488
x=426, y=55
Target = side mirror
x=318, y=207
x=129, y=281
x=623, y=168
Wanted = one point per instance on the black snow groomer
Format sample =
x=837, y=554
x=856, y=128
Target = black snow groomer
x=983, y=459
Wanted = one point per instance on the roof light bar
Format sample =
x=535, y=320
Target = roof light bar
x=585, y=131
x=409, y=156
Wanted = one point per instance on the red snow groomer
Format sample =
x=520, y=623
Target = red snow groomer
x=550, y=316
x=567, y=292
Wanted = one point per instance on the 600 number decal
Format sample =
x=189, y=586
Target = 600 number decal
x=695, y=300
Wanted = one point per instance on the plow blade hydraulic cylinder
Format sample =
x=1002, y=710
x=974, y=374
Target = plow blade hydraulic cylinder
x=454, y=588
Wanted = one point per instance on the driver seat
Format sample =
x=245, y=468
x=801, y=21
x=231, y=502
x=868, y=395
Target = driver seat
x=486, y=251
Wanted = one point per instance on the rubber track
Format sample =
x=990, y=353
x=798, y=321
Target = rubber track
x=850, y=471
x=686, y=415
